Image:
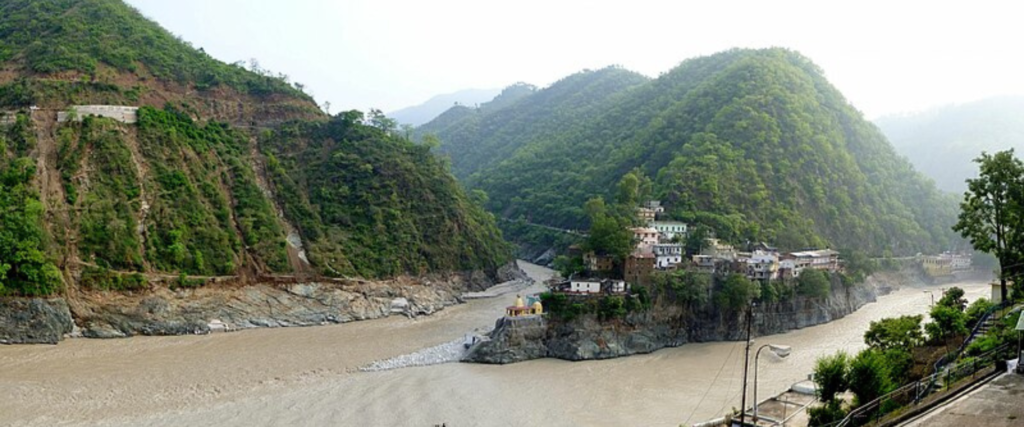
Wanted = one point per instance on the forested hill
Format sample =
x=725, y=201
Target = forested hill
x=943, y=142
x=521, y=116
x=754, y=143
x=221, y=171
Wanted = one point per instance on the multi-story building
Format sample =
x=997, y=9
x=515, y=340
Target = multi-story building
x=598, y=263
x=639, y=267
x=669, y=229
x=667, y=254
x=645, y=238
x=763, y=266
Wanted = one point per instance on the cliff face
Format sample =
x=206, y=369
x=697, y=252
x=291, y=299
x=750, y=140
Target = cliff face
x=585, y=338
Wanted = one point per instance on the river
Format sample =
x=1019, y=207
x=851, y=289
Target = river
x=309, y=376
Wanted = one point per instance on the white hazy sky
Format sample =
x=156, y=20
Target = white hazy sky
x=885, y=56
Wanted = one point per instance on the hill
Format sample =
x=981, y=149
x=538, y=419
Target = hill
x=943, y=142
x=419, y=114
x=753, y=143
x=482, y=137
x=200, y=169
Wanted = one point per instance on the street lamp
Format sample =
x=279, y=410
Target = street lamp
x=780, y=350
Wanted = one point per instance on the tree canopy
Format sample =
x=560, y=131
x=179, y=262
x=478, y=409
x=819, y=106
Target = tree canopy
x=992, y=212
x=754, y=144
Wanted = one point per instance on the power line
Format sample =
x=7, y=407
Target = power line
x=713, y=381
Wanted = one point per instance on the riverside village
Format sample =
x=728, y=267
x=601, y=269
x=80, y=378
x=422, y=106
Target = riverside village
x=661, y=247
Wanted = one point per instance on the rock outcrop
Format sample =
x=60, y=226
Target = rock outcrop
x=665, y=325
x=225, y=307
x=34, y=320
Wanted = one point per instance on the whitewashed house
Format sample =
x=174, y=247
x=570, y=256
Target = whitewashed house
x=668, y=254
x=669, y=229
x=585, y=286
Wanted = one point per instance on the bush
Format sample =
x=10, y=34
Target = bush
x=103, y=279
x=976, y=310
x=826, y=414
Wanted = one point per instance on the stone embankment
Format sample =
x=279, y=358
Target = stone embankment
x=162, y=311
x=665, y=325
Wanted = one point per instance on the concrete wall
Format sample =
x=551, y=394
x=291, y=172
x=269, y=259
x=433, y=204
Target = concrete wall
x=120, y=113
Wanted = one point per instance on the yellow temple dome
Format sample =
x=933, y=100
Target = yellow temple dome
x=537, y=308
x=519, y=301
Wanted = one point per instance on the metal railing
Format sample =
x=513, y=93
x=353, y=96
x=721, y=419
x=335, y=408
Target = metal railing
x=911, y=394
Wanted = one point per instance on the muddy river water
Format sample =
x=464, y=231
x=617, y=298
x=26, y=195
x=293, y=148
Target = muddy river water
x=309, y=376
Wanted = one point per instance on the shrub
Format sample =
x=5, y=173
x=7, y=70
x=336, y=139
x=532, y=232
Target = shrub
x=826, y=414
x=977, y=309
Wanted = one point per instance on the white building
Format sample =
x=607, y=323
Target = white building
x=958, y=262
x=615, y=286
x=668, y=254
x=585, y=286
x=669, y=229
x=763, y=266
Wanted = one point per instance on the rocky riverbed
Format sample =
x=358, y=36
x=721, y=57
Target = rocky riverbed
x=163, y=311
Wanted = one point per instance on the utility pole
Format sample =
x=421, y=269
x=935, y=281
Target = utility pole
x=746, y=364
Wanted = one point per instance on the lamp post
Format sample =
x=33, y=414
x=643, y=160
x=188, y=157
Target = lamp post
x=780, y=350
x=746, y=364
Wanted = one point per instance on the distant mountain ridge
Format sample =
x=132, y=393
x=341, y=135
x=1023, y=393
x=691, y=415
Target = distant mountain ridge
x=429, y=110
x=942, y=142
x=754, y=143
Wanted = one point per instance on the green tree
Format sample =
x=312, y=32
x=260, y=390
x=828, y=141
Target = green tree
x=813, y=283
x=953, y=298
x=685, y=287
x=609, y=233
x=628, y=191
x=737, y=292
x=894, y=332
x=567, y=266
x=697, y=238
x=830, y=375
x=868, y=377
x=946, y=323
x=992, y=212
